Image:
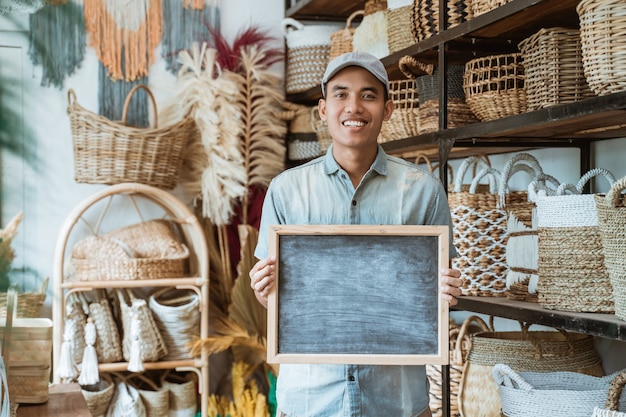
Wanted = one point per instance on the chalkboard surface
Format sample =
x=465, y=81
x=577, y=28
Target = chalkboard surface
x=358, y=294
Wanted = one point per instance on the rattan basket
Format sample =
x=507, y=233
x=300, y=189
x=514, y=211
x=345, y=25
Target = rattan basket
x=341, y=41
x=494, y=86
x=28, y=303
x=399, y=33
x=110, y=152
x=603, y=44
x=553, y=67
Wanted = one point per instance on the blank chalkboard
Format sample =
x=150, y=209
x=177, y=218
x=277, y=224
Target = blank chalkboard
x=358, y=294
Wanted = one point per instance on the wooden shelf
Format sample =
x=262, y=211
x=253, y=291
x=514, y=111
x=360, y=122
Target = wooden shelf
x=327, y=10
x=150, y=366
x=138, y=283
x=597, y=324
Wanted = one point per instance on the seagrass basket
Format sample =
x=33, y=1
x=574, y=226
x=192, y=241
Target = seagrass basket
x=553, y=67
x=111, y=152
x=603, y=44
x=399, y=33
x=98, y=396
x=494, y=86
x=28, y=303
x=341, y=40
x=425, y=16
x=479, y=7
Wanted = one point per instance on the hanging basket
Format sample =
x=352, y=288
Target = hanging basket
x=110, y=152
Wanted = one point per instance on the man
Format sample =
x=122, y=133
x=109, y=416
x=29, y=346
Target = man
x=354, y=183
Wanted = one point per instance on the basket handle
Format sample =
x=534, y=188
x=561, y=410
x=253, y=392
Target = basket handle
x=538, y=187
x=411, y=67
x=614, y=195
x=423, y=157
x=477, y=160
x=71, y=97
x=287, y=22
x=509, y=170
x=615, y=391
x=492, y=174
x=350, y=18
x=596, y=172
x=503, y=375
x=458, y=349
x=129, y=96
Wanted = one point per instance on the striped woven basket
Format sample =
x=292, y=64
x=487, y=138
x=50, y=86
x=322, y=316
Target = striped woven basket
x=572, y=274
x=612, y=224
x=425, y=16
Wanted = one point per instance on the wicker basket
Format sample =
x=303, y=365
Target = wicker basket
x=540, y=351
x=308, y=50
x=341, y=41
x=479, y=227
x=494, y=86
x=399, y=33
x=572, y=275
x=425, y=16
x=553, y=67
x=108, y=152
x=371, y=35
x=302, y=137
x=612, y=225
x=28, y=303
x=98, y=396
x=479, y=7
x=554, y=394
x=603, y=44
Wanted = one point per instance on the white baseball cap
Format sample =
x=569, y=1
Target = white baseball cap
x=359, y=59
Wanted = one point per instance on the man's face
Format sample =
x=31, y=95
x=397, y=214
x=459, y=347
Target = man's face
x=354, y=108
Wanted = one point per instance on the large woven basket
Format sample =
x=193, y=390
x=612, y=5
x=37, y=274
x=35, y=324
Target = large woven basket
x=603, y=44
x=612, y=224
x=479, y=228
x=494, y=86
x=572, y=274
x=554, y=394
x=308, y=51
x=539, y=351
x=553, y=67
x=399, y=33
x=341, y=40
x=110, y=152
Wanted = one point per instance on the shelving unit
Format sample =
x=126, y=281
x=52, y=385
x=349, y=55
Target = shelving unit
x=568, y=125
x=197, y=279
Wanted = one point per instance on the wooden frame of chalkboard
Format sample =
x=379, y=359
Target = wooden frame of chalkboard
x=358, y=294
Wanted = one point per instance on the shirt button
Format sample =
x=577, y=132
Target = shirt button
x=351, y=378
x=354, y=202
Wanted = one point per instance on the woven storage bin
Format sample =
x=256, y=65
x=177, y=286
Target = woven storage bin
x=183, y=400
x=459, y=113
x=522, y=242
x=553, y=67
x=554, y=394
x=109, y=152
x=572, y=275
x=479, y=228
x=613, y=398
x=494, y=86
x=483, y=6
x=603, y=44
x=399, y=33
x=611, y=211
x=308, y=50
x=28, y=303
x=146, y=250
x=425, y=16
x=341, y=41
x=302, y=136
x=98, y=396
x=540, y=351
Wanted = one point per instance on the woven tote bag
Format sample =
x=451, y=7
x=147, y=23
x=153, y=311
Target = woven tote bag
x=612, y=399
x=572, y=274
x=479, y=228
x=612, y=224
x=525, y=350
x=108, y=345
x=341, y=41
x=554, y=394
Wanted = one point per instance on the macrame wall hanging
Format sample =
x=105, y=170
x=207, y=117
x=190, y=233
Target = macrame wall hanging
x=57, y=40
x=124, y=34
x=185, y=22
x=112, y=96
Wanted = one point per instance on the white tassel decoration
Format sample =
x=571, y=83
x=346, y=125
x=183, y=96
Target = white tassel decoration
x=68, y=370
x=89, y=374
x=135, y=363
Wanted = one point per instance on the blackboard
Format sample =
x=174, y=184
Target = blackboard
x=358, y=294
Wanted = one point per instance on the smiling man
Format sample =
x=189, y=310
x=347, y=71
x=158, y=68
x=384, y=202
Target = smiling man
x=354, y=183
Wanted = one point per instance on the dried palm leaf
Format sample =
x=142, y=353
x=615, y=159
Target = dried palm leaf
x=229, y=334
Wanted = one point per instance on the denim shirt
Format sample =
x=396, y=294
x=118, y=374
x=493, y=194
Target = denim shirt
x=393, y=191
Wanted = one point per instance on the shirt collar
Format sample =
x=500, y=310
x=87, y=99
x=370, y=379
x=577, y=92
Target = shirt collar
x=380, y=163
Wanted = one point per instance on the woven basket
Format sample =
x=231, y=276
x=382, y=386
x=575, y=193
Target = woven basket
x=302, y=137
x=603, y=44
x=155, y=398
x=109, y=152
x=177, y=315
x=479, y=228
x=613, y=398
x=308, y=50
x=341, y=41
x=399, y=33
x=479, y=7
x=28, y=303
x=321, y=130
x=146, y=250
x=539, y=351
x=183, y=401
x=108, y=345
x=572, y=275
x=98, y=396
x=611, y=211
x=554, y=394
x=494, y=86
x=522, y=244
x=371, y=35
x=425, y=16
x=553, y=67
